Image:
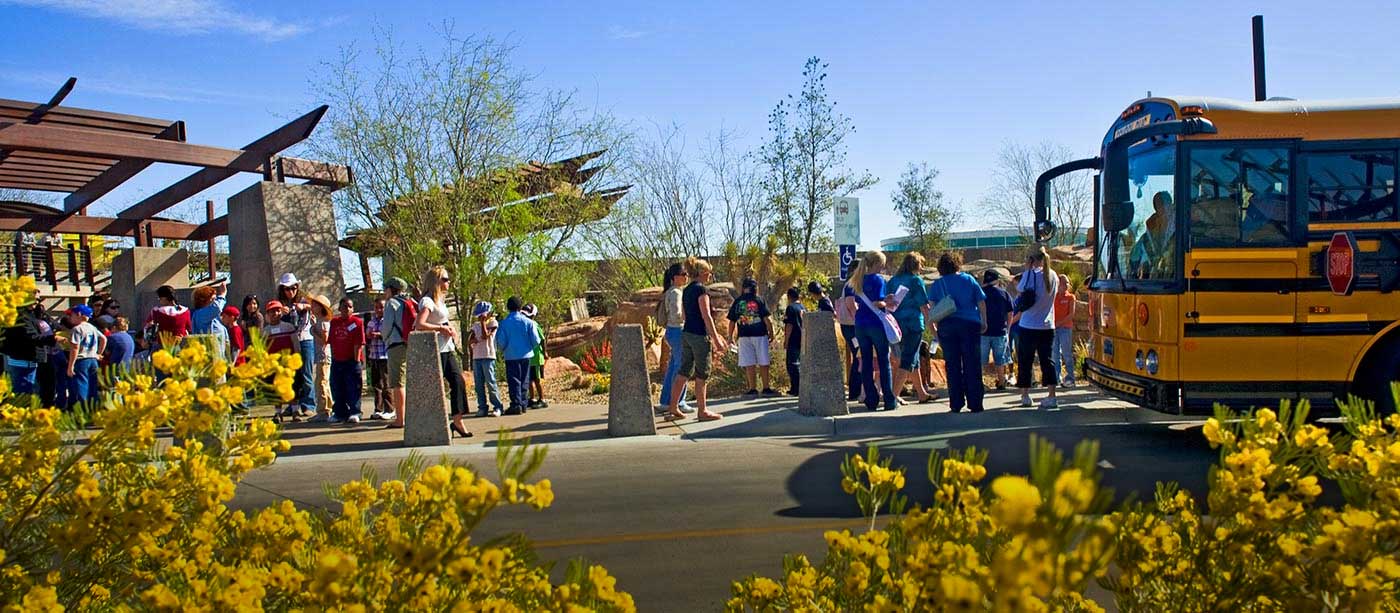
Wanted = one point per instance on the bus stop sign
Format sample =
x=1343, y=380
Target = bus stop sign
x=1341, y=263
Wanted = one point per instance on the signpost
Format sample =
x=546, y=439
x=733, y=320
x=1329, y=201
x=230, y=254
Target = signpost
x=1341, y=263
x=846, y=224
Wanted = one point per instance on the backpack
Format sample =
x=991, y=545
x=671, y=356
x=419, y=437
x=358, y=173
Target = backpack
x=408, y=318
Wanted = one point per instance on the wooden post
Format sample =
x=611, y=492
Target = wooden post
x=50, y=267
x=73, y=267
x=364, y=271
x=21, y=260
x=209, y=216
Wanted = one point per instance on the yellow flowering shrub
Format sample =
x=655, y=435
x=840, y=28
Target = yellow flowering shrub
x=112, y=519
x=1264, y=543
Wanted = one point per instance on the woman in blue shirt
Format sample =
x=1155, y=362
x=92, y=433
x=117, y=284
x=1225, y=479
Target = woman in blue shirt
x=960, y=334
x=910, y=317
x=869, y=289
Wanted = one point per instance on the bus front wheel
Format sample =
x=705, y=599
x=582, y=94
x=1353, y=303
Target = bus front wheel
x=1378, y=370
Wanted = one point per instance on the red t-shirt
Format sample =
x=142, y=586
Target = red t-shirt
x=235, y=337
x=346, y=338
x=1064, y=310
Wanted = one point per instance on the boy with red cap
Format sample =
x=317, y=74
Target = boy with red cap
x=237, y=342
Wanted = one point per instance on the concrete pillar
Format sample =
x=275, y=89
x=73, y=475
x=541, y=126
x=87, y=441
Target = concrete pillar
x=629, y=394
x=425, y=395
x=276, y=228
x=138, y=271
x=823, y=391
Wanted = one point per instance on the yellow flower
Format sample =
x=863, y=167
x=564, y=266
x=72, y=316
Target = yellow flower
x=1017, y=501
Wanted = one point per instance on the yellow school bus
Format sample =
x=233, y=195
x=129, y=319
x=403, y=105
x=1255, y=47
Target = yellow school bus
x=1245, y=252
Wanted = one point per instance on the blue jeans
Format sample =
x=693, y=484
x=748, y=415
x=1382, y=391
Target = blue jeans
x=484, y=376
x=305, y=385
x=347, y=379
x=875, y=351
x=961, y=339
x=673, y=340
x=22, y=375
x=82, y=386
x=1064, y=355
x=58, y=363
x=518, y=383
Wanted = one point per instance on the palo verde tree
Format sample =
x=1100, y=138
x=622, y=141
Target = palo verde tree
x=925, y=214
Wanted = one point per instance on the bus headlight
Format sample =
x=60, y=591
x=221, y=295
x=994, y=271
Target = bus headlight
x=1138, y=360
x=1151, y=361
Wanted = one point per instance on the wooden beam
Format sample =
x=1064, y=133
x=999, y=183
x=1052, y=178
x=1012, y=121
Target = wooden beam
x=316, y=173
x=67, y=111
x=79, y=174
x=36, y=186
x=38, y=113
x=8, y=173
x=78, y=161
x=116, y=175
x=276, y=141
x=217, y=226
x=27, y=137
x=105, y=226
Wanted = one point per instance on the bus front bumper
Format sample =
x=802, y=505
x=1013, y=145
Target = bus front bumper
x=1147, y=393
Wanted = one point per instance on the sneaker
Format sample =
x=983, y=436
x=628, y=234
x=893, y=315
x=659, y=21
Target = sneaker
x=752, y=392
x=496, y=412
x=1026, y=401
x=1049, y=403
x=768, y=391
x=543, y=404
x=687, y=409
x=288, y=412
x=352, y=420
x=1069, y=383
x=305, y=412
x=320, y=419
x=386, y=416
x=379, y=415
x=336, y=420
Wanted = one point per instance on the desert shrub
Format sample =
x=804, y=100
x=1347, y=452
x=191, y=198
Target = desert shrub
x=1034, y=543
x=114, y=519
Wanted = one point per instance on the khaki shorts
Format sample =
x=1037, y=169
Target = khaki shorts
x=398, y=365
x=695, y=356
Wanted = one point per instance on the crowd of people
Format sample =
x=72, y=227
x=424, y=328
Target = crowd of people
x=59, y=358
x=883, y=320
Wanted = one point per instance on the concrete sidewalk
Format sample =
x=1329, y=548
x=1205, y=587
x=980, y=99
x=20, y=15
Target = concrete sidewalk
x=743, y=418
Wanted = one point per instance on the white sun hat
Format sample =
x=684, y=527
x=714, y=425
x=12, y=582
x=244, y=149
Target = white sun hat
x=288, y=280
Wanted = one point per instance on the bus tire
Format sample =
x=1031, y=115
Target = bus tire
x=1380, y=367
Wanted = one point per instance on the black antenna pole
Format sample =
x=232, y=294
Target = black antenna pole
x=1259, y=89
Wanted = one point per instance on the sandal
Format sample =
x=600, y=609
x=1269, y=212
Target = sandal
x=675, y=416
x=710, y=416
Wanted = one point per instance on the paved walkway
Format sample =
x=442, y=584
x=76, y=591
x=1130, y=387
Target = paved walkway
x=743, y=418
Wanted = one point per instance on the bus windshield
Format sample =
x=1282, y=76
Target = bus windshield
x=1145, y=248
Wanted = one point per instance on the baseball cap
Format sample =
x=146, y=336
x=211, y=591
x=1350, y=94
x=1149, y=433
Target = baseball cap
x=273, y=304
x=529, y=310
x=396, y=284
x=815, y=287
x=991, y=276
x=750, y=283
x=482, y=307
x=82, y=309
x=232, y=311
x=288, y=280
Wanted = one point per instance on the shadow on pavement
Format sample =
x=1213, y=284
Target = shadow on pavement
x=1140, y=456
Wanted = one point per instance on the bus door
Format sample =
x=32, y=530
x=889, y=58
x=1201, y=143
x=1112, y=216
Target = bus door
x=1239, y=337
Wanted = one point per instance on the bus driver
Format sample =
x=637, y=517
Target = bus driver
x=1155, y=249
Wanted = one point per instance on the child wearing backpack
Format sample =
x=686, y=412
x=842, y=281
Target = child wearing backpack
x=400, y=316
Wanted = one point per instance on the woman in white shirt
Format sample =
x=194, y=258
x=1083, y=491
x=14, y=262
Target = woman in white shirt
x=433, y=317
x=1037, y=333
x=670, y=315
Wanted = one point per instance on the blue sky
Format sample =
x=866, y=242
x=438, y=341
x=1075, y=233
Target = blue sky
x=945, y=83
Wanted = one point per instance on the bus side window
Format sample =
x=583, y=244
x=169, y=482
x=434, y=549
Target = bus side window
x=1350, y=186
x=1239, y=195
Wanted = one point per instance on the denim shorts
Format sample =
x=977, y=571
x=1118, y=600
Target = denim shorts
x=998, y=347
x=909, y=348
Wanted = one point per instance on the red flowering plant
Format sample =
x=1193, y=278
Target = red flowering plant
x=597, y=359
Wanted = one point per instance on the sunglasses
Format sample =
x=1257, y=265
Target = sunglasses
x=445, y=279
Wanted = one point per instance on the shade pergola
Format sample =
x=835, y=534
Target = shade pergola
x=88, y=153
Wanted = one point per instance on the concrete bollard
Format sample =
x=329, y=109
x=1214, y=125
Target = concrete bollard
x=823, y=391
x=629, y=394
x=425, y=396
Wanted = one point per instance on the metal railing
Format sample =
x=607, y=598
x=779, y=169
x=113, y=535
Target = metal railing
x=61, y=266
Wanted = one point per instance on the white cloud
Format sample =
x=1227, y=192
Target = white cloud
x=177, y=16
x=617, y=32
x=136, y=88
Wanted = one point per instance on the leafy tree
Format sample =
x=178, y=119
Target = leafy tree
x=441, y=143
x=926, y=216
x=819, y=143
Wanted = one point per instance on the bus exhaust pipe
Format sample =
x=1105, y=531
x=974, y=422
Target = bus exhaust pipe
x=1260, y=91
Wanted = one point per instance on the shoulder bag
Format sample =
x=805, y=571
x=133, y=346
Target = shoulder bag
x=892, y=333
x=944, y=307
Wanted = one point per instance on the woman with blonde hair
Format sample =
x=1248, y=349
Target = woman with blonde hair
x=1037, y=333
x=868, y=287
x=699, y=339
x=433, y=317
